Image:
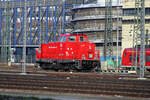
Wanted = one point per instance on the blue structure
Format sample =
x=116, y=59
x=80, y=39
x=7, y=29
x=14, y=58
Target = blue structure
x=44, y=21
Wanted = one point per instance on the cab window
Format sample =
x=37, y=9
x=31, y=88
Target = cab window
x=62, y=39
x=81, y=39
x=72, y=38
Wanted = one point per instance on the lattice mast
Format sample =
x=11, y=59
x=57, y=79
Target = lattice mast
x=4, y=35
x=108, y=39
x=8, y=29
x=139, y=34
x=24, y=37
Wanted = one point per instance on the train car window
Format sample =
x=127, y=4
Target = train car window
x=137, y=58
x=81, y=39
x=147, y=58
x=124, y=54
x=72, y=38
x=130, y=58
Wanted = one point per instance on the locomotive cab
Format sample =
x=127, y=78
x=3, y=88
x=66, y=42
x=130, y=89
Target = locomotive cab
x=73, y=38
x=71, y=51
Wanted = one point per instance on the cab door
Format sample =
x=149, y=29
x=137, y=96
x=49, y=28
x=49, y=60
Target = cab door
x=62, y=45
x=83, y=48
x=71, y=47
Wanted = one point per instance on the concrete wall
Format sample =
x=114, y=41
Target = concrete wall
x=131, y=3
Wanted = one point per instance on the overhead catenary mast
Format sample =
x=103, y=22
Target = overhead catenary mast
x=24, y=37
x=142, y=54
x=8, y=30
x=139, y=33
x=117, y=56
x=4, y=35
x=108, y=39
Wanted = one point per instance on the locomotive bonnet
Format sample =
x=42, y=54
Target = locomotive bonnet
x=70, y=52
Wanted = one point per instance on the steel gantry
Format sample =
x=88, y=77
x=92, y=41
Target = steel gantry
x=5, y=37
x=108, y=39
x=44, y=21
x=51, y=19
x=139, y=34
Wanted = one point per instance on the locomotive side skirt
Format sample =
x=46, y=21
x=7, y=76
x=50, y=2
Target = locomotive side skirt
x=69, y=64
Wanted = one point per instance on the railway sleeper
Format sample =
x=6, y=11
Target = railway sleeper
x=97, y=92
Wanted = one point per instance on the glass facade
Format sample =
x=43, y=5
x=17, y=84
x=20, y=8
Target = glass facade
x=131, y=12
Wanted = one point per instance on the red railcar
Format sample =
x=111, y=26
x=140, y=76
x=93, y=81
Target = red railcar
x=129, y=58
x=70, y=52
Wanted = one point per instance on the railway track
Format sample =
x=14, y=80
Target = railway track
x=108, y=86
x=32, y=70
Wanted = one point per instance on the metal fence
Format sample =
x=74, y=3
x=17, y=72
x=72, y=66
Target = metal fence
x=18, y=59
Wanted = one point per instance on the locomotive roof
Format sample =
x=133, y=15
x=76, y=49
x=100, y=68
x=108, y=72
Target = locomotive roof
x=67, y=34
x=133, y=49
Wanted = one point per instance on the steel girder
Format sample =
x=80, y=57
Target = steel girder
x=44, y=23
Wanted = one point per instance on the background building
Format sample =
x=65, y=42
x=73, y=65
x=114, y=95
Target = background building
x=128, y=23
x=90, y=19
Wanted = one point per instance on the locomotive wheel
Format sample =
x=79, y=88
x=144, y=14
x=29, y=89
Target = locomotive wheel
x=148, y=70
x=47, y=66
x=58, y=67
x=43, y=66
x=97, y=68
x=77, y=66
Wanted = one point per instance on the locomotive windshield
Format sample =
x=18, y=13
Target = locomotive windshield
x=72, y=38
x=62, y=39
x=82, y=39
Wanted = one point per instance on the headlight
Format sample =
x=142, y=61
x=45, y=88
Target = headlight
x=90, y=55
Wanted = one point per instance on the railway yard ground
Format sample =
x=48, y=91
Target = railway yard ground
x=73, y=85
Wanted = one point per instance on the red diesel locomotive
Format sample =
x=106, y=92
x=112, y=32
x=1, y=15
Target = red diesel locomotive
x=70, y=52
x=129, y=58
